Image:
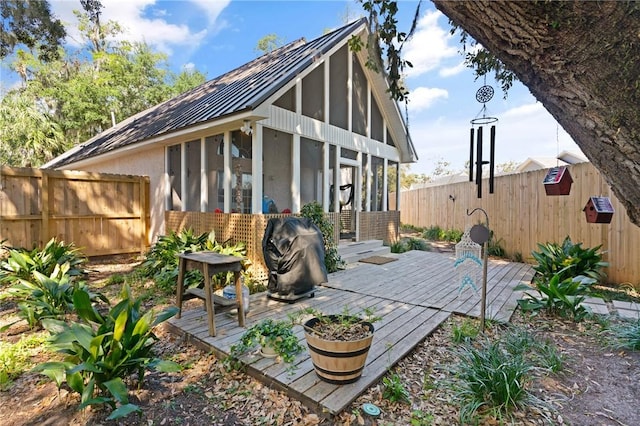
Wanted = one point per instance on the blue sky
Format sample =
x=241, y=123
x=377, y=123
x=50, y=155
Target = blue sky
x=215, y=36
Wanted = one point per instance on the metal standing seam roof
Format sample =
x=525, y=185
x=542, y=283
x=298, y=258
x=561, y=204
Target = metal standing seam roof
x=241, y=89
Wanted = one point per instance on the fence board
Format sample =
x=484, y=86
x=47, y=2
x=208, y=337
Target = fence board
x=522, y=215
x=100, y=213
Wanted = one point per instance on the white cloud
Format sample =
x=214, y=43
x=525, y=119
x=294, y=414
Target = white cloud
x=146, y=20
x=424, y=97
x=429, y=46
x=454, y=70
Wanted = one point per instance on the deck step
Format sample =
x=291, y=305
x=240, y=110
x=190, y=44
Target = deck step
x=353, y=252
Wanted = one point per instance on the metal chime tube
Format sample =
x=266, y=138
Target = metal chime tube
x=479, y=163
x=471, y=140
x=492, y=158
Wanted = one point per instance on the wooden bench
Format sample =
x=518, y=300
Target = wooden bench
x=210, y=263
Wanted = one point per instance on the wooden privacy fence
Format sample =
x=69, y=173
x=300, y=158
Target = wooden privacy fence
x=102, y=214
x=522, y=215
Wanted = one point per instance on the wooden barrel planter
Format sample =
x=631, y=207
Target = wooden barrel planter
x=337, y=361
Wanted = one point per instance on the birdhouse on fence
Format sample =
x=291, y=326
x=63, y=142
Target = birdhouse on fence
x=598, y=210
x=558, y=181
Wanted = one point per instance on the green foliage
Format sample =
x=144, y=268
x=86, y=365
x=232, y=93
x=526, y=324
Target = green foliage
x=394, y=390
x=465, y=332
x=268, y=332
x=314, y=212
x=101, y=351
x=420, y=418
x=44, y=297
x=31, y=24
x=66, y=97
x=568, y=260
x=494, y=246
x=432, y=233
x=21, y=263
x=627, y=335
x=15, y=358
x=489, y=378
x=557, y=297
x=417, y=244
x=436, y=233
x=161, y=261
x=398, y=247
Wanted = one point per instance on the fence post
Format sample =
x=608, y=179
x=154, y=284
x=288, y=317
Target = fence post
x=44, y=199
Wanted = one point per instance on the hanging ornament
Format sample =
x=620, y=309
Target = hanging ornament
x=468, y=264
x=483, y=95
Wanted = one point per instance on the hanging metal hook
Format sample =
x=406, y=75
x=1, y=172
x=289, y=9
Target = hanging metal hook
x=486, y=216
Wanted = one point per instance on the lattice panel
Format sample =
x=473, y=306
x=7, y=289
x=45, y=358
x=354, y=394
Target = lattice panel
x=379, y=226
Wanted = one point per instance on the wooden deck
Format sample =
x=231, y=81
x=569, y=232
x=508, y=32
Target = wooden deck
x=413, y=294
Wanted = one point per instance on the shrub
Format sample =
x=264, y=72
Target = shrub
x=627, y=336
x=314, y=212
x=46, y=296
x=491, y=378
x=557, y=297
x=161, y=261
x=417, y=244
x=398, y=247
x=568, y=260
x=103, y=350
x=432, y=233
x=494, y=247
x=21, y=263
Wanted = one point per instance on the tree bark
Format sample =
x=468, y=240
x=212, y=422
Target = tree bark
x=581, y=60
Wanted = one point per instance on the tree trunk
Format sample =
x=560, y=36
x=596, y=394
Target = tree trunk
x=581, y=60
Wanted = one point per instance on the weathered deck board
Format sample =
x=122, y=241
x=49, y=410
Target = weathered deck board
x=413, y=295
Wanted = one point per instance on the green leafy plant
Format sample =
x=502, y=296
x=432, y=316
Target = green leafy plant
x=568, y=260
x=432, y=233
x=103, y=350
x=46, y=296
x=315, y=213
x=627, y=335
x=21, y=263
x=465, y=331
x=489, y=378
x=557, y=297
x=277, y=335
x=420, y=418
x=417, y=244
x=161, y=261
x=394, y=390
x=494, y=246
x=398, y=246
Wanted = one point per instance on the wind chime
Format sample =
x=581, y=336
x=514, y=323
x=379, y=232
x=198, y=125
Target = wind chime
x=483, y=95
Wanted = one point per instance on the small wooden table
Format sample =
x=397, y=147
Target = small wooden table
x=211, y=263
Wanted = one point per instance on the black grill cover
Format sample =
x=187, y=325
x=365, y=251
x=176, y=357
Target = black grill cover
x=294, y=254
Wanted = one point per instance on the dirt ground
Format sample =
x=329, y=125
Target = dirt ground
x=598, y=385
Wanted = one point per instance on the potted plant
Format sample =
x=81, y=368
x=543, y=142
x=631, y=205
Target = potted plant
x=276, y=339
x=339, y=344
